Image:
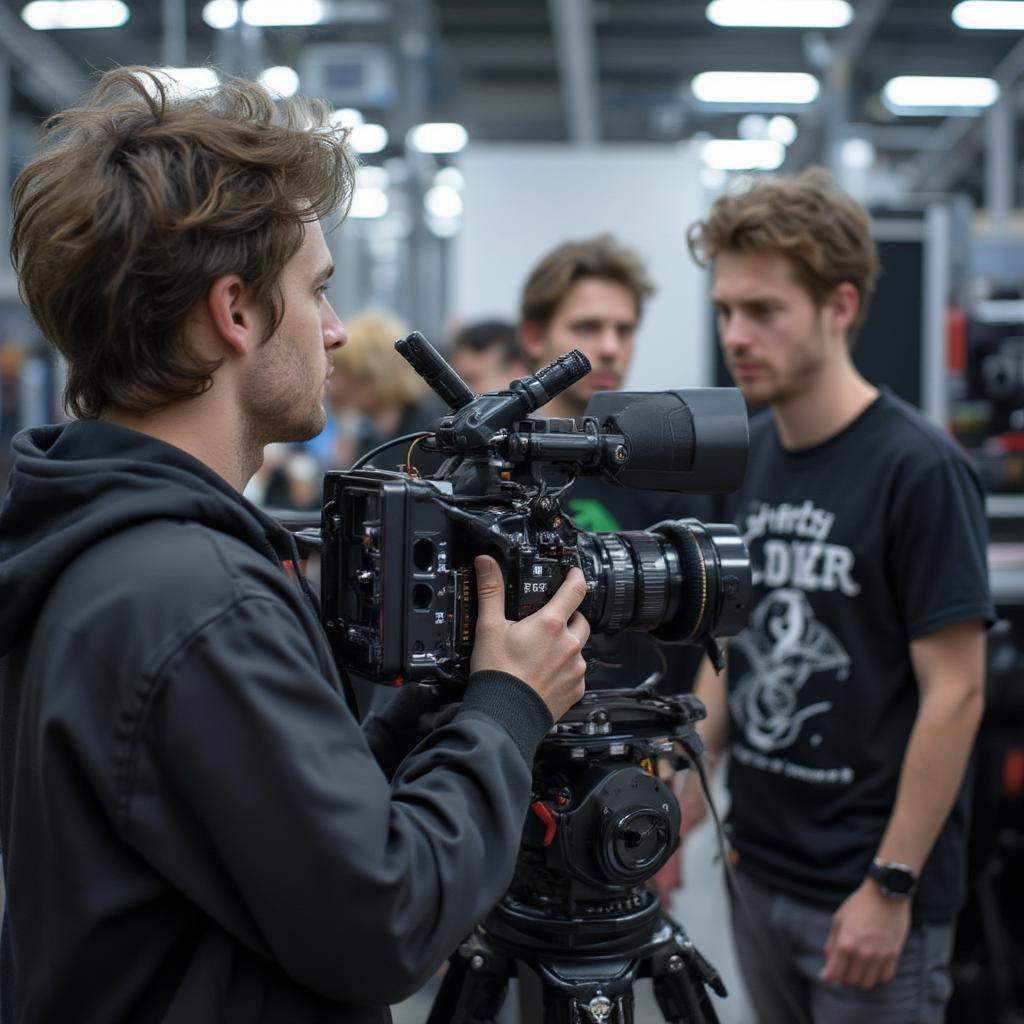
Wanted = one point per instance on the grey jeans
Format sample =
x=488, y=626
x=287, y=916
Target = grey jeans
x=780, y=946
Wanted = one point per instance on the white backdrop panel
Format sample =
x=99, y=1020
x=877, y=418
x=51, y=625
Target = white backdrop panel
x=521, y=201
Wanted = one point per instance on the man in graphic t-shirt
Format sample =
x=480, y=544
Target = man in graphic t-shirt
x=855, y=692
x=590, y=294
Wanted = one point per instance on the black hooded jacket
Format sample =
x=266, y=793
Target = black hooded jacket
x=194, y=826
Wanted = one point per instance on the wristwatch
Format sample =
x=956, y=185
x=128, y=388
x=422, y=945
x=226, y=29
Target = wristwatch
x=897, y=881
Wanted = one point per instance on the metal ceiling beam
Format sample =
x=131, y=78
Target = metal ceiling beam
x=46, y=75
x=960, y=138
x=572, y=26
x=822, y=123
x=640, y=55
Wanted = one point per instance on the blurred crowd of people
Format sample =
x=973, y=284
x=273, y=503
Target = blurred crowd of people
x=374, y=396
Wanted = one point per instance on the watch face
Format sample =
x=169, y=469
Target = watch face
x=897, y=881
x=894, y=881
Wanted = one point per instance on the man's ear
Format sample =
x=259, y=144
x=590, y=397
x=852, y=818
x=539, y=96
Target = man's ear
x=844, y=305
x=532, y=337
x=233, y=315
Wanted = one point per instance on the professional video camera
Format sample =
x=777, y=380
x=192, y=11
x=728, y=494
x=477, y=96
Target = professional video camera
x=399, y=606
x=398, y=591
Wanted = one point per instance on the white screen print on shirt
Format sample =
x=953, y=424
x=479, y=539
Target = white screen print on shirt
x=784, y=643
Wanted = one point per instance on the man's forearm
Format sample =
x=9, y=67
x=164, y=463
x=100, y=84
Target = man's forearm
x=933, y=769
x=711, y=689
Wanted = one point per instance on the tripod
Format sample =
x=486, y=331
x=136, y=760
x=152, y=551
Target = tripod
x=578, y=915
x=586, y=970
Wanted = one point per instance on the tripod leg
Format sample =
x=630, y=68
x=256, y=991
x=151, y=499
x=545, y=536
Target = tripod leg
x=683, y=999
x=468, y=995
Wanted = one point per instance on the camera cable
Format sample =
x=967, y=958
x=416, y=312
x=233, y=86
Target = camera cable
x=415, y=437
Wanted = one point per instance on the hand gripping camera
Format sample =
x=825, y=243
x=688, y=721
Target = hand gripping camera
x=398, y=581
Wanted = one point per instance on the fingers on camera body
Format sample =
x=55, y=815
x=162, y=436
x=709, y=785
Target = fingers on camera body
x=554, y=635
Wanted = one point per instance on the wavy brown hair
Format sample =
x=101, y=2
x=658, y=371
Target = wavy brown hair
x=139, y=200
x=825, y=235
x=602, y=257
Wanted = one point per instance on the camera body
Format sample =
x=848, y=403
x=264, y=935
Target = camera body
x=398, y=583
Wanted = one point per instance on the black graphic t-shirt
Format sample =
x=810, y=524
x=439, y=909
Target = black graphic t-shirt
x=627, y=658
x=859, y=545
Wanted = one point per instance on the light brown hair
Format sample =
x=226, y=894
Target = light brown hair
x=601, y=257
x=370, y=357
x=825, y=235
x=139, y=200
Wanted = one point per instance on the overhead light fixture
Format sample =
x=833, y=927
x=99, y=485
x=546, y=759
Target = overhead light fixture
x=221, y=14
x=782, y=129
x=778, y=128
x=438, y=137
x=368, y=138
x=743, y=154
x=443, y=227
x=280, y=79
x=346, y=117
x=443, y=202
x=858, y=154
x=1005, y=15
x=779, y=13
x=46, y=15
x=752, y=126
x=911, y=94
x=369, y=203
x=270, y=13
x=773, y=88
x=452, y=177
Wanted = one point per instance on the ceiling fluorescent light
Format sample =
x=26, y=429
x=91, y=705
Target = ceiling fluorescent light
x=1007, y=15
x=927, y=93
x=438, y=137
x=750, y=87
x=45, y=15
x=858, y=154
x=221, y=14
x=368, y=138
x=280, y=79
x=782, y=129
x=268, y=13
x=779, y=13
x=346, y=117
x=443, y=202
x=743, y=154
x=369, y=203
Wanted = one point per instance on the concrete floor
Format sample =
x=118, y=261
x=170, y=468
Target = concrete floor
x=700, y=907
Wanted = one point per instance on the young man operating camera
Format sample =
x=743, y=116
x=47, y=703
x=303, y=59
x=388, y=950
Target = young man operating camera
x=855, y=692
x=194, y=826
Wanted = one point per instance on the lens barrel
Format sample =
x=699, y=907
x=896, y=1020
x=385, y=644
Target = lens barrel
x=682, y=580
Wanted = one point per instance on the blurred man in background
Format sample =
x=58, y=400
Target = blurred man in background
x=487, y=355
x=590, y=295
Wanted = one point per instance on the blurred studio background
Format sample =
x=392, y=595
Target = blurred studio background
x=492, y=130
